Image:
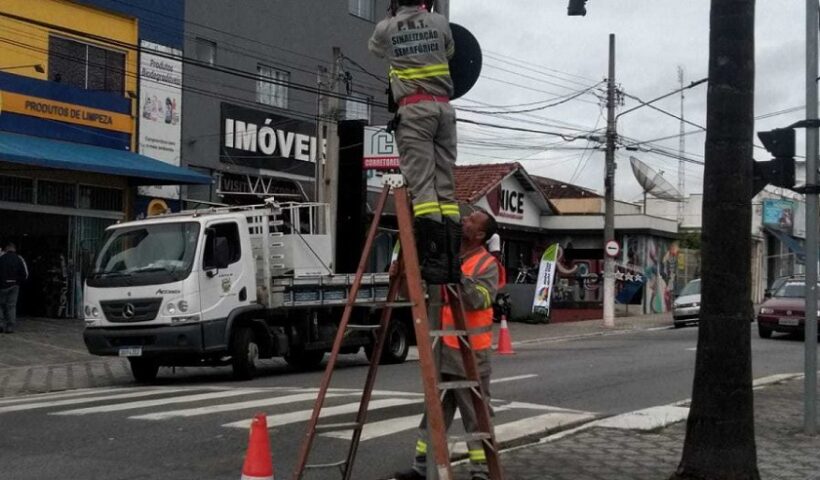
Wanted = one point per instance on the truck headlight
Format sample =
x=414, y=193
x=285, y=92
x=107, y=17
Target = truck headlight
x=87, y=311
x=182, y=305
x=95, y=312
x=170, y=308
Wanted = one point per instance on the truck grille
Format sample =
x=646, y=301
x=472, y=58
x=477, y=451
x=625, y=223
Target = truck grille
x=129, y=311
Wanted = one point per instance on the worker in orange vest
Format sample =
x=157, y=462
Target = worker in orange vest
x=479, y=283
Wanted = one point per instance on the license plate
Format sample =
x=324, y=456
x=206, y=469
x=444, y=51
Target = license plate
x=131, y=352
x=789, y=322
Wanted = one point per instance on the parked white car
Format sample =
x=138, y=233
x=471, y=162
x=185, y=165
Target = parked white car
x=686, y=309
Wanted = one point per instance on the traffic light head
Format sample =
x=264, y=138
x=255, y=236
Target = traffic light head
x=779, y=142
x=577, y=8
x=779, y=171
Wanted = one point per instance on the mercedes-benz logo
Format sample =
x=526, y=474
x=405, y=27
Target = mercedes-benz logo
x=788, y=312
x=128, y=310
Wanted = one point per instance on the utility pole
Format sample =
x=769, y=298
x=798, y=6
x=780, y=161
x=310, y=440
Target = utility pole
x=681, y=151
x=443, y=7
x=810, y=394
x=328, y=171
x=609, y=189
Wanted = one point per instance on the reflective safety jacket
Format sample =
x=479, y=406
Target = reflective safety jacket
x=418, y=45
x=479, y=286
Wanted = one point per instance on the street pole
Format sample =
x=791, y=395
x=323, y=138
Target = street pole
x=443, y=7
x=328, y=177
x=810, y=394
x=609, y=190
x=681, y=151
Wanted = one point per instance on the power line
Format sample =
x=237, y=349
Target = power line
x=532, y=109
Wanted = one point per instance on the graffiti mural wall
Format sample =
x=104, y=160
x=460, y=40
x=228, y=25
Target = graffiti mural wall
x=656, y=261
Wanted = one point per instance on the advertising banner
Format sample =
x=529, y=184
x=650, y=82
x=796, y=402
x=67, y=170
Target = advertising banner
x=546, y=276
x=380, y=149
x=259, y=139
x=779, y=214
x=160, y=111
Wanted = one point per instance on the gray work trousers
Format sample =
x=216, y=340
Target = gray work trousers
x=463, y=400
x=8, y=307
x=427, y=140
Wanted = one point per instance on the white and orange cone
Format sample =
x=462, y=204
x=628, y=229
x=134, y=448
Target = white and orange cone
x=504, y=340
x=258, y=462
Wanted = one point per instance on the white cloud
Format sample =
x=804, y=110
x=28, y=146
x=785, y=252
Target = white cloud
x=653, y=37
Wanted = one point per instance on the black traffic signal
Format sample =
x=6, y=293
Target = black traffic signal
x=577, y=8
x=780, y=170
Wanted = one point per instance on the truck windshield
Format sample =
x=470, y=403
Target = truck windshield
x=146, y=254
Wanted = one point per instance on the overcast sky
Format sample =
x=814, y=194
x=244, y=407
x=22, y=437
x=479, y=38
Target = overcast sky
x=534, y=52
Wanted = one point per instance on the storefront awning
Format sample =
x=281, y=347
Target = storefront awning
x=791, y=243
x=140, y=170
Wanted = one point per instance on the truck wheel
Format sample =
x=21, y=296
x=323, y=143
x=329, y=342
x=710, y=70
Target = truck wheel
x=244, y=354
x=764, y=332
x=305, y=360
x=143, y=370
x=396, y=347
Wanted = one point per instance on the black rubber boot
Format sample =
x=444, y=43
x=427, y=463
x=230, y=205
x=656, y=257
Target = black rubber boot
x=431, y=242
x=454, y=235
x=409, y=475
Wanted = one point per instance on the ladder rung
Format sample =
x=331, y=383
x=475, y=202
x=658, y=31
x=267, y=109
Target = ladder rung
x=448, y=333
x=316, y=466
x=335, y=427
x=457, y=384
x=363, y=327
x=469, y=437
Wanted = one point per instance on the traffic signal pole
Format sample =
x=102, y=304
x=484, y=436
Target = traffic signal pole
x=810, y=337
x=609, y=190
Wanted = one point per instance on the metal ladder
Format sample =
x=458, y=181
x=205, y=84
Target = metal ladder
x=409, y=276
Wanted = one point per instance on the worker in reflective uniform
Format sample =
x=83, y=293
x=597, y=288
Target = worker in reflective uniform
x=418, y=44
x=479, y=286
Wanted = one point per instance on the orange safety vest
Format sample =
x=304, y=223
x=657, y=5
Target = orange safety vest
x=476, y=319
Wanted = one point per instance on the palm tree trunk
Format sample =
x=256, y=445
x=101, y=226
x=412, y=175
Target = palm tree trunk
x=720, y=440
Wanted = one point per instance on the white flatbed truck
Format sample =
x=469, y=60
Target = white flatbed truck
x=229, y=286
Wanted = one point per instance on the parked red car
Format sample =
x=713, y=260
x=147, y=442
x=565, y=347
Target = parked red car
x=785, y=310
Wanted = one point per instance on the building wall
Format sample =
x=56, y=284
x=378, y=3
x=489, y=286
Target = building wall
x=29, y=44
x=295, y=37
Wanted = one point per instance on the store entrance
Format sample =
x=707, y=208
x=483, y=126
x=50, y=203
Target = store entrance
x=42, y=241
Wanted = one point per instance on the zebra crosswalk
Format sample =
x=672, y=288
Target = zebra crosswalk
x=391, y=412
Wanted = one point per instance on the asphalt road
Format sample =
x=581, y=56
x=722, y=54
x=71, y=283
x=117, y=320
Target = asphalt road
x=195, y=427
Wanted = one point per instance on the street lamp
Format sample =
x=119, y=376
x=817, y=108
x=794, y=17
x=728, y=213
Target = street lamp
x=38, y=67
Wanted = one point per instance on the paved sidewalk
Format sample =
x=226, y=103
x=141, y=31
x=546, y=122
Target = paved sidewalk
x=45, y=355
x=597, y=451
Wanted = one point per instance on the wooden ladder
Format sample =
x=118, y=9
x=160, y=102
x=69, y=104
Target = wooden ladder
x=407, y=275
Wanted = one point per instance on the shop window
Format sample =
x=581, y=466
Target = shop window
x=16, y=189
x=85, y=66
x=56, y=194
x=100, y=198
x=357, y=107
x=272, y=86
x=362, y=8
x=206, y=51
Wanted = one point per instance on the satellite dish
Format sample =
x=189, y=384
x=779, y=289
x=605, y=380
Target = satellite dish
x=653, y=182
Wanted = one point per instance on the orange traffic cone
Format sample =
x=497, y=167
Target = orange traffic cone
x=504, y=340
x=258, y=462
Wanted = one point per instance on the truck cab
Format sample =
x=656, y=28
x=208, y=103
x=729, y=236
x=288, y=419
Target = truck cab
x=224, y=286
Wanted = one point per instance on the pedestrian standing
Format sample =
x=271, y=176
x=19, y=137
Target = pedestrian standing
x=479, y=285
x=13, y=272
x=418, y=45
